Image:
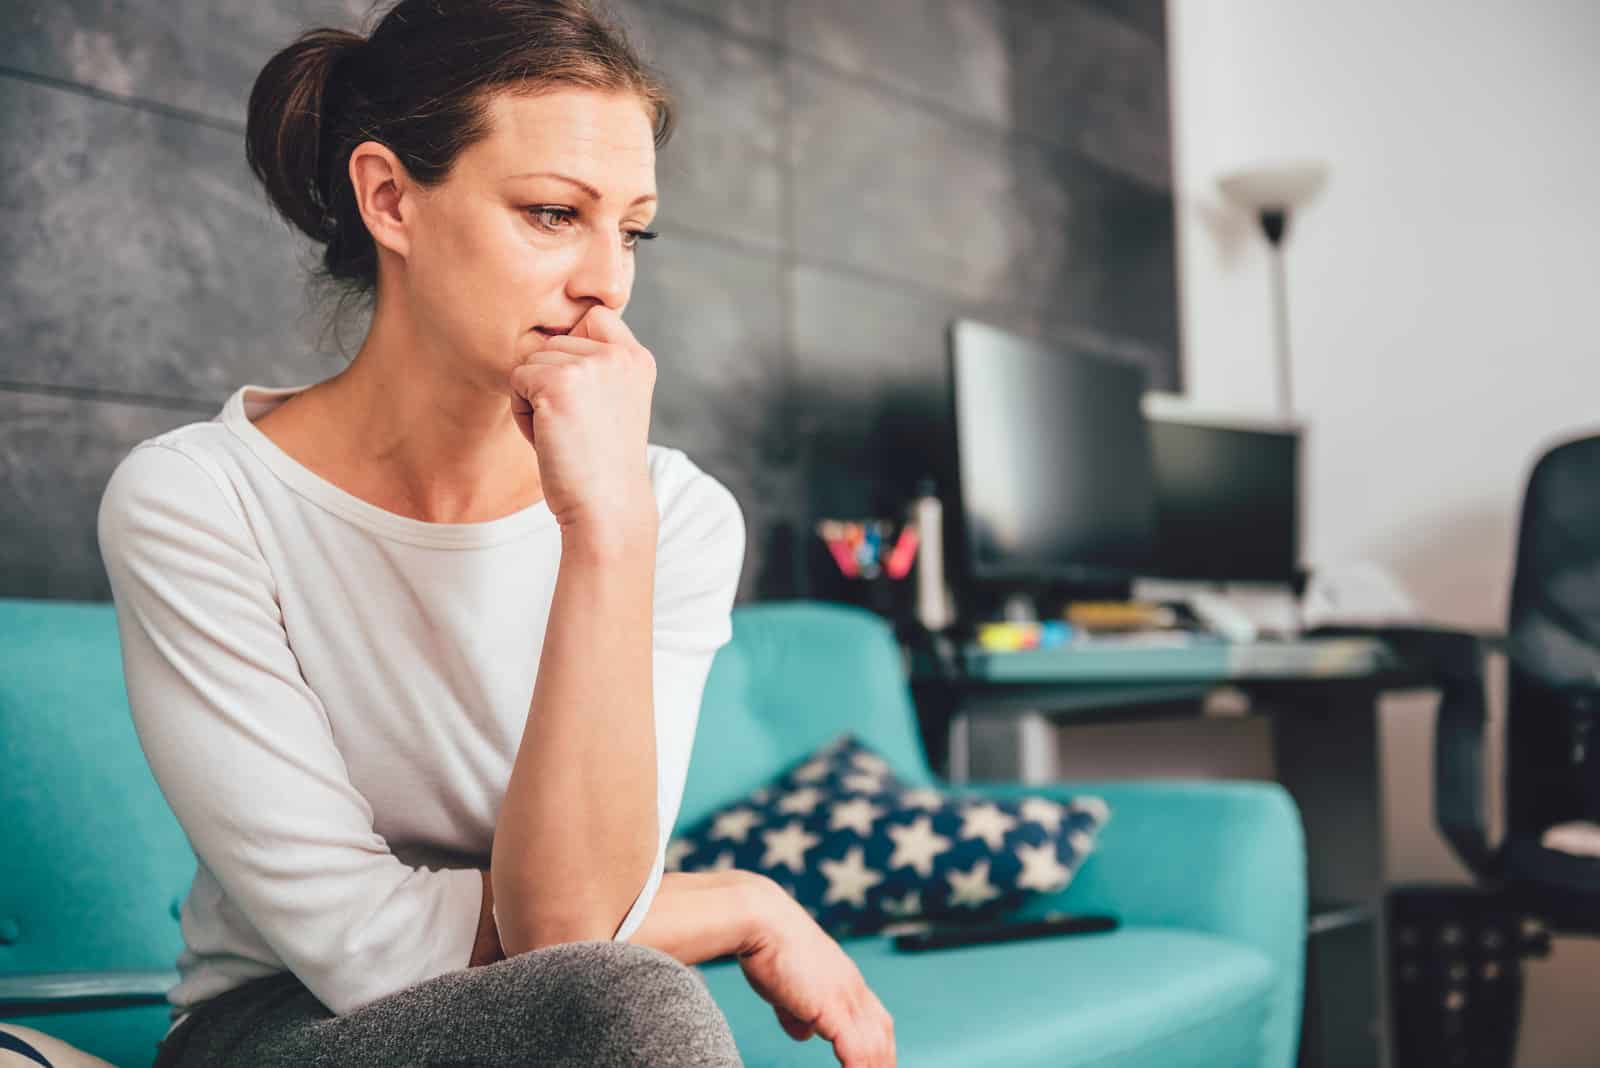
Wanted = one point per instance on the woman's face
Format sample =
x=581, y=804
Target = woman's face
x=513, y=240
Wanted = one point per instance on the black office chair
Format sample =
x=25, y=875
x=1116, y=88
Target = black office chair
x=1456, y=953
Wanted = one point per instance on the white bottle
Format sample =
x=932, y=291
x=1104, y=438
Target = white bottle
x=933, y=595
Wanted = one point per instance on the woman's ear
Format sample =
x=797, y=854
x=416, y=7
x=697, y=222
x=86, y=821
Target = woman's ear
x=384, y=195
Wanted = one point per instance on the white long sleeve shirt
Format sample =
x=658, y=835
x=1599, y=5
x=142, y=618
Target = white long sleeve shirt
x=331, y=696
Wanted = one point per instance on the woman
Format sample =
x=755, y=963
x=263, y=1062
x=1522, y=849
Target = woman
x=416, y=653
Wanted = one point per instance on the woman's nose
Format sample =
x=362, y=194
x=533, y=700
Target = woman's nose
x=605, y=274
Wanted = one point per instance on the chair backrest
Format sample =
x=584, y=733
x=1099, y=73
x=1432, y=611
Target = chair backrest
x=795, y=675
x=1553, y=729
x=96, y=864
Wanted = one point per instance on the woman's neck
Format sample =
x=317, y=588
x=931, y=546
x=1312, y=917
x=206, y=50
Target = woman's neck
x=393, y=430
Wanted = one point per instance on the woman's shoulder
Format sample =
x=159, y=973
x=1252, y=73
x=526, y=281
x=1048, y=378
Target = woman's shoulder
x=158, y=468
x=693, y=503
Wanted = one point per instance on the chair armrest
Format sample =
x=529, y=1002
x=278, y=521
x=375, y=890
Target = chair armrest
x=1223, y=857
x=1454, y=660
x=22, y=995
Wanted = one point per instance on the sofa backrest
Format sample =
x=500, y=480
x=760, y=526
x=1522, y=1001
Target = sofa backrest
x=93, y=854
x=95, y=864
x=796, y=674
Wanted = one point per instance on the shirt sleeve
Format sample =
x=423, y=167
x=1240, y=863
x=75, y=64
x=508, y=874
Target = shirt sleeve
x=244, y=753
x=699, y=556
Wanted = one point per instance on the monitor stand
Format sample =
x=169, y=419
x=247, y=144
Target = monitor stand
x=1041, y=601
x=1019, y=608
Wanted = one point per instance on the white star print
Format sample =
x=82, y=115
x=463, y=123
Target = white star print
x=1081, y=842
x=862, y=783
x=849, y=879
x=788, y=846
x=910, y=905
x=972, y=888
x=1042, y=810
x=987, y=822
x=916, y=846
x=724, y=862
x=1040, y=869
x=735, y=824
x=868, y=762
x=1094, y=806
x=677, y=849
x=802, y=800
x=810, y=771
x=856, y=813
x=932, y=800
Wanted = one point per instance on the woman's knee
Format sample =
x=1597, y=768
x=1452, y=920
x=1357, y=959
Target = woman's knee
x=640, y=1005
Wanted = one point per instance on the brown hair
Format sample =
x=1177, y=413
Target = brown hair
x=419, y=84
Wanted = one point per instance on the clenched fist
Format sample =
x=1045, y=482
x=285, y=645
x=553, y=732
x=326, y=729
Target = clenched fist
x=583, y=403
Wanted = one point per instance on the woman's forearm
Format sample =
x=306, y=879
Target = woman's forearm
x=696, y=916
x=576, y=834
x=699, y=916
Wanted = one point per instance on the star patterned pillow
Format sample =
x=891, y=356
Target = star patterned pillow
x=861, y=851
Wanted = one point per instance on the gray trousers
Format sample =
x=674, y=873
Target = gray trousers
x=580, y=1003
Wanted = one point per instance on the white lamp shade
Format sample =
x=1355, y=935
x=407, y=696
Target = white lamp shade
x=1277, y=186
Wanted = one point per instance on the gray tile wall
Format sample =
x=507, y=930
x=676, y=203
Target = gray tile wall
x=847, y=177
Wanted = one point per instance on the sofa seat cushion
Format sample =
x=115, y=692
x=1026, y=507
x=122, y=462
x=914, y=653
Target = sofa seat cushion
x=1136, y=997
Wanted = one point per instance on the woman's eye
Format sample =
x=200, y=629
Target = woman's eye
x=556, y=213
x=630, y=241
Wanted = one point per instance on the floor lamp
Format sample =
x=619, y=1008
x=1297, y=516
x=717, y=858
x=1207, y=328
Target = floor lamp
x=1272, y=193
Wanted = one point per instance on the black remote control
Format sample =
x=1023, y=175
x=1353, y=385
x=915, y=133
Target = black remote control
x=969, y=934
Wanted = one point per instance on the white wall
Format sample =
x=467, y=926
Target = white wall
x=1443, y=294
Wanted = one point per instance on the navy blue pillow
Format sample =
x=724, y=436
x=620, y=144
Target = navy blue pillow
x=861, y=850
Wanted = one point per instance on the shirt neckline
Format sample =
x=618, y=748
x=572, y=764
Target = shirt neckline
x=250, y=402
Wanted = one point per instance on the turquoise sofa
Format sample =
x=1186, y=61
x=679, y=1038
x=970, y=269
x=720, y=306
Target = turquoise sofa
x=1207, y=877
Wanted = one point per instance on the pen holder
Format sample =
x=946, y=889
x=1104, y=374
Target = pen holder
x=868, y=563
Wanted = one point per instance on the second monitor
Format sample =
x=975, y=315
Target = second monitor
x=1227, y=495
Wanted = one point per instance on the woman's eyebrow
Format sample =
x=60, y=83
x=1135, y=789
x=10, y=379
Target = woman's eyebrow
x=591, y=191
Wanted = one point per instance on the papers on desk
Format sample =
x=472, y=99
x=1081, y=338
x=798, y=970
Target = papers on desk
x=1317, y=658
x=1578, y=838
x=1172, y=655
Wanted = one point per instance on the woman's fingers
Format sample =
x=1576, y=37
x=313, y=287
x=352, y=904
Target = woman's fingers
x=792, y=1025
x=603, y=324
x=862, y=1035
x=868, y=1041
x=577, y=346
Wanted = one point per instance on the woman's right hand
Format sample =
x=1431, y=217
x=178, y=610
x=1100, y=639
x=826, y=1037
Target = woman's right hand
x=583, y=402
x=815, y=988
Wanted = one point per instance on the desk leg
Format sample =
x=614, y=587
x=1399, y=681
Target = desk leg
x=959, y=749
x=1020, y=747
x=1326, y=750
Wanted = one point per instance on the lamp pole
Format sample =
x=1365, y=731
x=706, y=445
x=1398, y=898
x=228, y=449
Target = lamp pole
x=1271, y=192
x=1275, y=223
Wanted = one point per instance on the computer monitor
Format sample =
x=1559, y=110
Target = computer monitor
x=1053, y=466
x=1227, y=496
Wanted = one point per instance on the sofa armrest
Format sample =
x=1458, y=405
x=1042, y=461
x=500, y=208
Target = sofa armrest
x=1223, y=857
x=25, y=995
